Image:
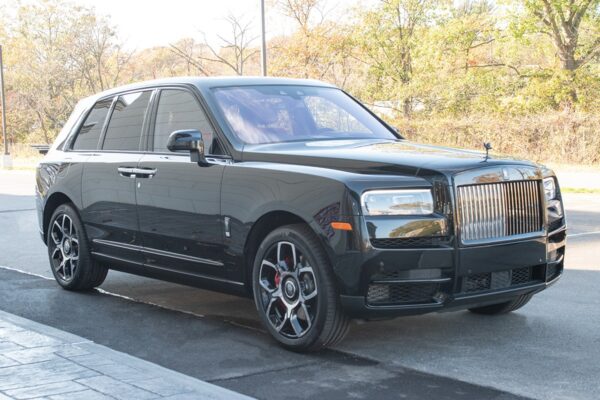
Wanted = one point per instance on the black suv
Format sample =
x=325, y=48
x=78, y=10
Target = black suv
x=293, y=192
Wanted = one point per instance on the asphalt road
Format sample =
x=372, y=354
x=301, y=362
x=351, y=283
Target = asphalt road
x=550, y=349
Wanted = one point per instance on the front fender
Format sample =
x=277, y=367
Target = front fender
x=317, y=196
x=251, y=190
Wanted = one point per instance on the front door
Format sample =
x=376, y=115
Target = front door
x=179, y=205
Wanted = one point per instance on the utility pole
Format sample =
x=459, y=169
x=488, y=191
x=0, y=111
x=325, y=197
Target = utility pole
x=6, y=160
x=263, y=45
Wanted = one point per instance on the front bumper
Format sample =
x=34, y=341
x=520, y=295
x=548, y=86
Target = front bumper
x=399, y=282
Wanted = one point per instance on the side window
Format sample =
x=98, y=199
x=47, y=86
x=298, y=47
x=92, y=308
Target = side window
x=177, y=110
x=91, y=129
x=126, y=122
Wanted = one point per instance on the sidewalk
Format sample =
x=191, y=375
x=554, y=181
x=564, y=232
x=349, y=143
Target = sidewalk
x=40, y=362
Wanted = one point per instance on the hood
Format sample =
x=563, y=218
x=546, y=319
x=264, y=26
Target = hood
x=366, y=156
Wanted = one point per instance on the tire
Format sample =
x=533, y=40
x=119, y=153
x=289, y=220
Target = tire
x=503, y=308
x=68, y=250
x=297, y=301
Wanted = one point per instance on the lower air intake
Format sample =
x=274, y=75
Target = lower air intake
x=500, y=279
x=401, y=293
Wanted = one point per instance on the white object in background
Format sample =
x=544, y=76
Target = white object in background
x=6, y=161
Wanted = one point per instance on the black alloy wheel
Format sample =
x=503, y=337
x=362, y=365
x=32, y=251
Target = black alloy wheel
x=294, y=290
x=64, y=248
x=68, y=251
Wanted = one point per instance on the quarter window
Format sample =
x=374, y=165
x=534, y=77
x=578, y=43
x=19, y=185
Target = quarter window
x=126, y=122
x=90, y=131
x=177, y=110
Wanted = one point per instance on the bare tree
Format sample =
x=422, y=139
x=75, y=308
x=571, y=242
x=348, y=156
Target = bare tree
x=187, y=49
x=235, y=49
x=302, y=11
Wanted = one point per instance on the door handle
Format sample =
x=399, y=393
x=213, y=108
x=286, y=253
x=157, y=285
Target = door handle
x=144, y=172
x=127, y=172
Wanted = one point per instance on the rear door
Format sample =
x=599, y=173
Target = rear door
x=179, y=207
x=108, y=186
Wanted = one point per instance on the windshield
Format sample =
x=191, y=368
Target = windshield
x=272, y=114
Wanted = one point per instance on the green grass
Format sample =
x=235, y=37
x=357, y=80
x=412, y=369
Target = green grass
x=580, y=190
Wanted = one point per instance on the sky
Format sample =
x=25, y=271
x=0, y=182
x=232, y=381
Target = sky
x=149, y=23
x=143, y=24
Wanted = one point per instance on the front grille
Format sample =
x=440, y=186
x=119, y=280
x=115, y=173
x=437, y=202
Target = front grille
x=410, y=242
x=499, y=210
x=500, y=279
x=401, y=293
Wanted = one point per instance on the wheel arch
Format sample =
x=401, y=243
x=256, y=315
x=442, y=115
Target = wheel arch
x=264, y=225
x=54, y=201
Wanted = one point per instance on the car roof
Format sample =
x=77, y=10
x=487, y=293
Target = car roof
x=210, y=82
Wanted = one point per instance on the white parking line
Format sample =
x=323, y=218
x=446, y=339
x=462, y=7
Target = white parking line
x=17, y=210
x=572, y=235
x=25, y=272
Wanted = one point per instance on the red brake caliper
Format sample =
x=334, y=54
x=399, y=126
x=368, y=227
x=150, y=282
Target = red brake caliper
x=277, y=279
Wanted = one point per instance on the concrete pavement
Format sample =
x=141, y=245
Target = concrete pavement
x=220, y=351
x=40, y=362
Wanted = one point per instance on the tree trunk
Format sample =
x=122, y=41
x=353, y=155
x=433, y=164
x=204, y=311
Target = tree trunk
x=569, y=65
x=407, y=107
x=406, y=79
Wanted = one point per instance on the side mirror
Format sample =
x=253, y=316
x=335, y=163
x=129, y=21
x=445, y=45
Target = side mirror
x=188, y=140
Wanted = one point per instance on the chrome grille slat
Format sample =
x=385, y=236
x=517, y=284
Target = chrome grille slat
x=499, y=210
x=520, y=204
x=534, y=208
x=523, y=207
x=519, y=207
x=529, y=209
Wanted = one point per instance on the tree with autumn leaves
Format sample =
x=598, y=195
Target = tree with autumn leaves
x=431, y=67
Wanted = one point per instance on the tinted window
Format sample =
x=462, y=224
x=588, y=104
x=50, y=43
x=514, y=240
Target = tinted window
x=268, y=114
x=89, y=133
x=177, y=110
x=125, y=126
x=329, y=117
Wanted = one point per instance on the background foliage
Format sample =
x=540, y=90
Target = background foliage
x=524, y=74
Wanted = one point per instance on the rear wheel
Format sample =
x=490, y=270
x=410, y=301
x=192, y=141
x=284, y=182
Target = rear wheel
x=68, y=250
x=503, y=308
x=294, y=290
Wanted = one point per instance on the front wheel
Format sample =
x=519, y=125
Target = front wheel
x=294, y=290
x=70, y=259
x=503, y=308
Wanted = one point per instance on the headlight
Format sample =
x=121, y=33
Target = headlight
x=550, y=189
x=397, y=202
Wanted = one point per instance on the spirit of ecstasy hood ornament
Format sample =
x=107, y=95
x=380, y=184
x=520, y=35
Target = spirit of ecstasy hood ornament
x=488, y=147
